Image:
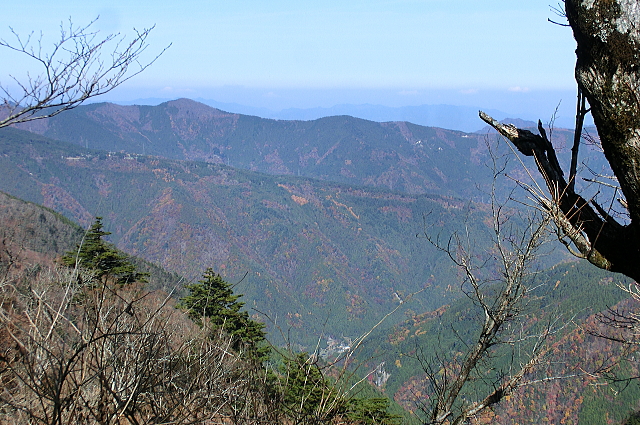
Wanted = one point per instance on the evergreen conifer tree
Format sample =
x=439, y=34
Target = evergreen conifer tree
x=104, y=258
x=212, y=299
x=310, y=397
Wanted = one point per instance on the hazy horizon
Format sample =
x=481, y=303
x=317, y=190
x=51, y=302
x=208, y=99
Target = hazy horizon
x=530, y=106
x=282, y=54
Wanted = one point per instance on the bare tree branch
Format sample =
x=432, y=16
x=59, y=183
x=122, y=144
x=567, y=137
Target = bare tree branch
x=598, y=237
x=80, y=65
x=500, y=302
x=607, y=56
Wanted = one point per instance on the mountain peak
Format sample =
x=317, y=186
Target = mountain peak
x=191, y=107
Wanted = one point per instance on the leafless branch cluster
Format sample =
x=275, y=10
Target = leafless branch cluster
x=600, y=233
x=497, y=284
x=622, y=324
x=76, y=352
x=79, y=66
x=580, y=223
x=608, y=88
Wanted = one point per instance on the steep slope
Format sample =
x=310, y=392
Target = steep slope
x=313, y=252
x=31, y=234
x=574, y=383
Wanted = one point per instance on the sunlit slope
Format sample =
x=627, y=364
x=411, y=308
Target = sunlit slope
x=311, y=255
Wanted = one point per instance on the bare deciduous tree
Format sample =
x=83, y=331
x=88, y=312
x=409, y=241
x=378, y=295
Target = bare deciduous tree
x=497, y=283
x=79, y=66
x=75, y=351
x=607, y=72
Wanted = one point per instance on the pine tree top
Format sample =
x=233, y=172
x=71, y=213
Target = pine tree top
x=104, y=258
x=212, y=300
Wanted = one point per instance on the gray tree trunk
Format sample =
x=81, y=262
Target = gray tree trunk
x=608, y=74
x=607, y=70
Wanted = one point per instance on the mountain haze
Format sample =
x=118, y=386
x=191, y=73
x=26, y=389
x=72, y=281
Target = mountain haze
x=460, y=118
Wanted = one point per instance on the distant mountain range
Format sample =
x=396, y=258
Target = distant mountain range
x=461, y=118
x=398, y=156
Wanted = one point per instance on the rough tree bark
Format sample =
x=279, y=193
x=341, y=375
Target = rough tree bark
x=607, y=72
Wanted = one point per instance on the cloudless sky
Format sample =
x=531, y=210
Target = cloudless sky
x=298, y=53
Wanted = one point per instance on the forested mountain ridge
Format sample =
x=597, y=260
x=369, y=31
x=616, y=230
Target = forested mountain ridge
x=398, y=156
x=312, y=251
x=322, y=258
x=314, y=258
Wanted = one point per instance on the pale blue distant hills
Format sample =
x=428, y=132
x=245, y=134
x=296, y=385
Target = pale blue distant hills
x=463, y=118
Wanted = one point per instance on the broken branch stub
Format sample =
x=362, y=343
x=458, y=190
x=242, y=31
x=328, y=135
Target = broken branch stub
x=598, y=237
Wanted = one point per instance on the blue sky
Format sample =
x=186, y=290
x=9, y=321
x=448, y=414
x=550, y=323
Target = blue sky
x=500, y=54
